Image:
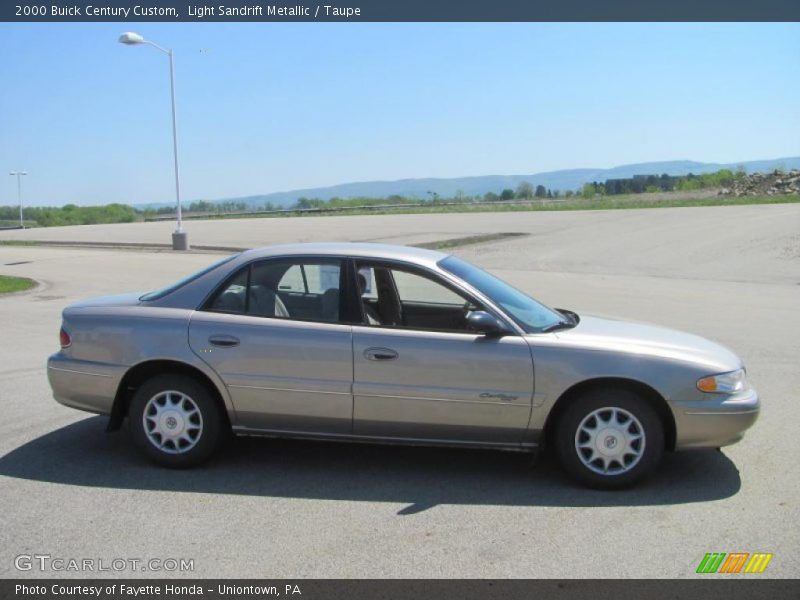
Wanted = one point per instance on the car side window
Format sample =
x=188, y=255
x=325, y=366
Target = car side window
x=366, y=283
x=306, y=290
x=232, y=295
x=395, y=297
x=415, y=288
x=293, y=280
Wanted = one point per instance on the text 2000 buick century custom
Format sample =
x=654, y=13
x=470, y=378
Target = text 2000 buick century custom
x=391, y=344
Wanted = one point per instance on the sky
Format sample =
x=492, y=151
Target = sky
x=267, y=107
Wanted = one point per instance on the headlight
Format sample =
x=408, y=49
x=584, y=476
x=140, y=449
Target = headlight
x=725, y=383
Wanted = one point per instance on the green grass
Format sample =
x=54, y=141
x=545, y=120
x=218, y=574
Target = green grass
x=15, y=284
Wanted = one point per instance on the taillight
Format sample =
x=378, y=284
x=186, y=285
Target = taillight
x=64, y=338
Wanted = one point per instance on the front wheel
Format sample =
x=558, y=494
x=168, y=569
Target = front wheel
x=175, y=421
x=609, y=439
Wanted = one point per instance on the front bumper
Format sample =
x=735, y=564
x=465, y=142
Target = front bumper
x=715, y=421
x=84, y=385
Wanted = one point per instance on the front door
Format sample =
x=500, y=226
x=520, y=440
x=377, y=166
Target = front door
x=273, y=335
x=420, y=374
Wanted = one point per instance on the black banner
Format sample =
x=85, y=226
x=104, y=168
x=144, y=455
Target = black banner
x=400, y=10
x=730, y=588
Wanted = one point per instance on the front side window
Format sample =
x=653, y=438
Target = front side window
x=405, y=298
x=307, y=290
x=415, y=288
x=531, y=315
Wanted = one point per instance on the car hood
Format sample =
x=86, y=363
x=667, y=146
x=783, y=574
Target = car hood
x=131, y=299
x=608, y=333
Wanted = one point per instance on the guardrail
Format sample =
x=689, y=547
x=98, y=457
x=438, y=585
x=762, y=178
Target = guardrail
x=337, y=209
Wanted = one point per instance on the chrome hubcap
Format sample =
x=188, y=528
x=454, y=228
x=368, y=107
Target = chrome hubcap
x=172, y=422
x=610, y=441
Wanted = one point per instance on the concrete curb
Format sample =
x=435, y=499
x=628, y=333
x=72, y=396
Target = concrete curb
x=116, y=246
x=439, y=244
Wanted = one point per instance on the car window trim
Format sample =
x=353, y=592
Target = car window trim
x=349, y=299
x=247, y=290
x=301, y=259
x=451, y=283
x=353, y=301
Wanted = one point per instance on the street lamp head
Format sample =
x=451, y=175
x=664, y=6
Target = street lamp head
x=18, y=173
x=131, y=38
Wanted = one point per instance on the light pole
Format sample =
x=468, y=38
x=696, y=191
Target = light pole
x=19, y=175
x=180, y=239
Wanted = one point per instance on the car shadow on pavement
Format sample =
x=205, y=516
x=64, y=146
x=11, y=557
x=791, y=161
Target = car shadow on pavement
x=82, y=454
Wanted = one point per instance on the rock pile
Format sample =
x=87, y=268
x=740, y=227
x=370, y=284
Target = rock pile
x=765, y=184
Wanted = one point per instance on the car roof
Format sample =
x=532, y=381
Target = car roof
x=352, y=249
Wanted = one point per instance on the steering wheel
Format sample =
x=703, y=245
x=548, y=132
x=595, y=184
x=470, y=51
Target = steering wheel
x=465, y=310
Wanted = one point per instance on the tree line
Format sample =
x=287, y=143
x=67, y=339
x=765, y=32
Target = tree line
x=524, y=191
x=639, y=184
x=207, y=207
x=71, y=214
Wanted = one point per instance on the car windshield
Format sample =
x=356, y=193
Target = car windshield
x=155, y=295
x=532, y=316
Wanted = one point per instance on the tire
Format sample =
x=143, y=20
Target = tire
x=625, y=450
x=175, y=421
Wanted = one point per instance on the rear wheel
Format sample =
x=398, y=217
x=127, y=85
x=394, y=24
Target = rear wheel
x=175, y=421
x=609, y=438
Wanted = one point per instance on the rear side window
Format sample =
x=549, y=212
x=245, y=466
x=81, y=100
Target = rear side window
x=293, y=280
x=310, y=278
x=303, y=290
x=366, y=283
x=232, y=296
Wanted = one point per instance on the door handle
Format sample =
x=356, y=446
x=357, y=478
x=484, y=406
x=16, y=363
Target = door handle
x=223, y=341
x=380, y=354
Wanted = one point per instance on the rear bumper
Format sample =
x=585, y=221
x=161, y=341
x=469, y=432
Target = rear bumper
x=84, y=385
x=715, y=422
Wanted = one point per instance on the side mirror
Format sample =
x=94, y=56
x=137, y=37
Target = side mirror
x=480, y=321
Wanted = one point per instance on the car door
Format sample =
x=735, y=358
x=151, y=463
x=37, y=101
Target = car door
x=281, y=349
x=421, y=374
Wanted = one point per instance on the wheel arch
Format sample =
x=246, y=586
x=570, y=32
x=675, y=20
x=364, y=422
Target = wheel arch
x=138, y=374
x=648, y=393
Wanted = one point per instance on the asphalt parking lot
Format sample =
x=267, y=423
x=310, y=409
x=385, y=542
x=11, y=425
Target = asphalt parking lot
x=269, y=508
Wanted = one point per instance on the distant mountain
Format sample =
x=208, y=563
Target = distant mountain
x=569, y=179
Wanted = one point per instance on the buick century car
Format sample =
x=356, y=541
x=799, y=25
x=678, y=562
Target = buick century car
x=388, y=344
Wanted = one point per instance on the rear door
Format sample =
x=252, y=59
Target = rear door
x=420, y=374
x=281, y=349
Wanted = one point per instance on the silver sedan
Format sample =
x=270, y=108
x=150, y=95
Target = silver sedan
x=377, y=343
